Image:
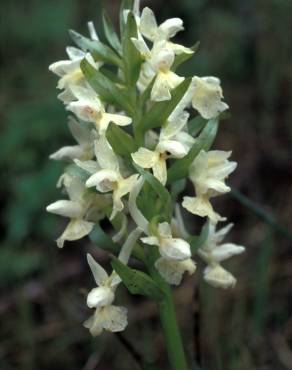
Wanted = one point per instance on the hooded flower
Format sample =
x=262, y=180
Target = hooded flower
x=168, y=29
x=107, y=316
x=158, y=63
x=170, y=248
x=208, y=173
x=173, y=143
x=84, y=137
x=76, y=208
x=70, y=72
x=213, y=253
x=106, y=175
x=207, y=96
x=89, y=108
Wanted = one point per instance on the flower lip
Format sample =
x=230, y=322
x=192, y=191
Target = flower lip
x=100, y=297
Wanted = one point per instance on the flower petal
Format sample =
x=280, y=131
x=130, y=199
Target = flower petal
x=79, y=131
x=226, y=251
x=201, y=207
x=103, y=180
x=173, y=147
x=172, y=271
x=145, y=158
x=171, y=27
x=75, y=230
x=114, y=318
x=175, y=249
x=100, y=297
x=67, y=153
x=98, y=272
x=207, y=97
x=105, y=155
x=218, y=277
x=66, y=208
x=151, y=240
x=148, y=25
x=160, y=170
x=118, y=119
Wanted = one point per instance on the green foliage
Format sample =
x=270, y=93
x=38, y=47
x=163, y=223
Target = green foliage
x=97, y=48
x=122, y=143
x=180, y=167
x=104, y=87
x=137, y=282
x=110, y=33
x=160, y=111
x=165, y=203
x=132, y=59
x=197, y=241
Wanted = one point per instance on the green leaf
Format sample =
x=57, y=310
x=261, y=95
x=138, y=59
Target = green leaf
x=131, y=56
x=196, y=124
x=161, y=191
x=178, y=187
x=183, y=57
x=110, y=33
x=160, y=111
x=122, y=143
x=113, y=77
x=125, y=5
x=103, y=241
x=180, y=168
x=102, y=51
x=137, y=282
x=104, y=87
x=196, y=241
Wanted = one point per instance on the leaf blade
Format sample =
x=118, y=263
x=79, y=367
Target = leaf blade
x=137, y=282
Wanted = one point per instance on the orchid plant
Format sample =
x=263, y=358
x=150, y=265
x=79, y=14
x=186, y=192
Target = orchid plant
x=142, y=130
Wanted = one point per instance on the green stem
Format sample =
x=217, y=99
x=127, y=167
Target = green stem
x=171, y=332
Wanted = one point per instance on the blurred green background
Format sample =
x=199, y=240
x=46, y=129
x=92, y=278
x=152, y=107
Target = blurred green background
x=248, y=45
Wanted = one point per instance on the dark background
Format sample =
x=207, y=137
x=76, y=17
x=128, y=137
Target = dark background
x=248, y=45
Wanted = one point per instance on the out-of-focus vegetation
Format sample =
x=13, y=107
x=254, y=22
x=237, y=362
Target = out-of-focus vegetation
x=247, y=44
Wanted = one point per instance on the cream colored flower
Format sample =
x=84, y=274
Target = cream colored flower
x=70, y=72
x=158, y=63
x=108, y=177
x=207, y=97
x=170, y=248
x=168, y=29
x=107, y=316
x=172, y=271
x=84, y=137
x=213, y=253
x=173, y=143
x=89, y=108
x=208, y=173
x=77, y=209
